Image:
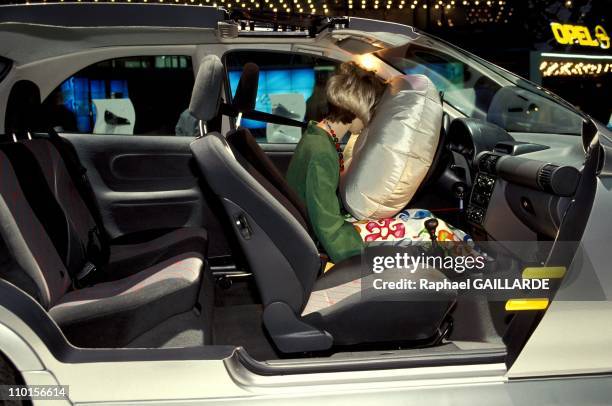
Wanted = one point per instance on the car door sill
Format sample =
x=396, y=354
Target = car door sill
x=373, y=360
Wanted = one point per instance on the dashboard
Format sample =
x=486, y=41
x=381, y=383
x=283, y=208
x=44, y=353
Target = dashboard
x=517, y=185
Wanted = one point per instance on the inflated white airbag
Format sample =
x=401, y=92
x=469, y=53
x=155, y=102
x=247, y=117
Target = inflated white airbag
x=393, y=154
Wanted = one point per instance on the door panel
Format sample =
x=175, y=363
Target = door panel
x=147, y=170
x=142, y=183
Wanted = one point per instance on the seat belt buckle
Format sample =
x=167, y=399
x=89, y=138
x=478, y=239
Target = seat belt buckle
x=325, y=262
x=94, y=232
x=243, y=226
x=85, y=273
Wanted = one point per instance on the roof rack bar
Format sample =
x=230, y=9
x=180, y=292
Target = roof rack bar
x=310, y=25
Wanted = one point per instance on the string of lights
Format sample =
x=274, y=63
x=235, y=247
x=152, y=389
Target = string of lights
x=472, y=11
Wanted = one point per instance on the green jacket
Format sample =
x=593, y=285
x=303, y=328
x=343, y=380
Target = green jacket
x=314, y=173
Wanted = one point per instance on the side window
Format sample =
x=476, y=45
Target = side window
x=142, y=95
x=290, y=85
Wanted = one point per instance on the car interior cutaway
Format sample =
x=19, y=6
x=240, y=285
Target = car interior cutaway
x=180, y=242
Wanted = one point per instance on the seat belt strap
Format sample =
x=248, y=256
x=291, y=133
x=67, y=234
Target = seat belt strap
x=78, y=173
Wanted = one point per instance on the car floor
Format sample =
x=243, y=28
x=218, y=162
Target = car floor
x=241, y=326
x=238, y=320
x=182, y=330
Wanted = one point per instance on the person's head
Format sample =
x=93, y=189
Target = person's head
x=352, y=94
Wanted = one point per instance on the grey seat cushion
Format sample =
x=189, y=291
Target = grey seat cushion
x=27, y=241
x=114, y=313
x=345, y=304
x=125, y=258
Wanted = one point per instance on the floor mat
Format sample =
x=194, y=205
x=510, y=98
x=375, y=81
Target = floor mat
x=240, y=292
x=182, y=330
x=241, y=326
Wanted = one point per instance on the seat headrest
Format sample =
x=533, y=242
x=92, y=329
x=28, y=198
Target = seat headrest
x=22, y=108
x=246, y=92
x=206, y=95
x=393, y=154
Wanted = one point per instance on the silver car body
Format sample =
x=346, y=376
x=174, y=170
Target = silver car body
x=567, y=360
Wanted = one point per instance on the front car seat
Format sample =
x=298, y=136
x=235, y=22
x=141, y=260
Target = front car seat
x=242, y=141
x=286, y=264
x=298, y=311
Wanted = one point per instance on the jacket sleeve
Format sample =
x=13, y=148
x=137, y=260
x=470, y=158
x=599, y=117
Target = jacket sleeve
x=337, y=236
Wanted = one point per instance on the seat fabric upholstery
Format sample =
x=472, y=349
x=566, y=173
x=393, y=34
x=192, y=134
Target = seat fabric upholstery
x=107, y=314
x=291, y=262
x=26, y=239
x=114, y=313
x=344, y=303
x=242, y=140
x=124, y=258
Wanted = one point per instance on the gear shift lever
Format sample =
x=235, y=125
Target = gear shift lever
x=431, y=225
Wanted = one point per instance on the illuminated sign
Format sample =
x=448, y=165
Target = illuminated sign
x=574, y=68
x=568, y=34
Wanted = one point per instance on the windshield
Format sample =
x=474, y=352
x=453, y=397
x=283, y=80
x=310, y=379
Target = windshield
x=481, y=90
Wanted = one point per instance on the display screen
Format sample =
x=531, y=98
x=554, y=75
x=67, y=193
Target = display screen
x=78, y=92
x=275, y=81
x=157, y=88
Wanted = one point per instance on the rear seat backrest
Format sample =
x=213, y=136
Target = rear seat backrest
x=27, y=239
x=61, y=185
x=71, y=249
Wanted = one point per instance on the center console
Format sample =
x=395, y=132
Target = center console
x=482, y=190
x=532, y=184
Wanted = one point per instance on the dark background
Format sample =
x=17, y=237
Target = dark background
x=507, y=32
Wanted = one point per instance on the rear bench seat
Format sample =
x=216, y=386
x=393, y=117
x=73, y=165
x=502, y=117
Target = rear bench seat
x=120, y=259
x=64, y=173
x=46, y=240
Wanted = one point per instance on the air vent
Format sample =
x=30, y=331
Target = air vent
x=545, y=175
x=504, y=148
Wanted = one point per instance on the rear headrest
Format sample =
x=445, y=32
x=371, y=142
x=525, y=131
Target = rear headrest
x=22, y=108
x=393, y=154
x=206, y=95
x=246, y=92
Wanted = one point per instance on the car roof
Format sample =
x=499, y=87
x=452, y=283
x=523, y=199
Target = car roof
x=113, y=15
x=30, y=33
x=27, y=43
x=34, y=32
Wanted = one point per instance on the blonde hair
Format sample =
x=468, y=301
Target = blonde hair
x=352, y=92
